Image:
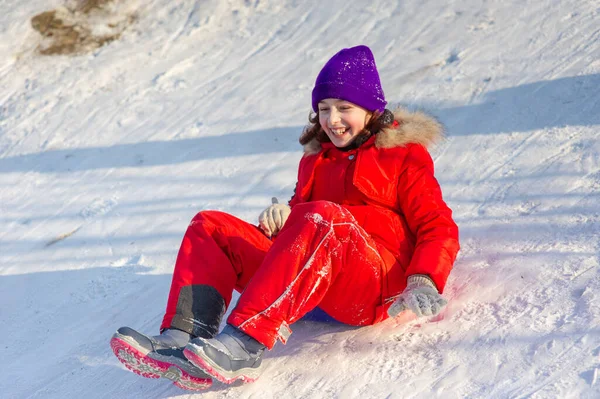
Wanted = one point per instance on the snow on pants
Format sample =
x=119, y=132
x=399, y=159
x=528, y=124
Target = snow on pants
x=321, y=257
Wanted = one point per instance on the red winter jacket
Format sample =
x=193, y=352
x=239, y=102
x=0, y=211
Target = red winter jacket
x=389, y=187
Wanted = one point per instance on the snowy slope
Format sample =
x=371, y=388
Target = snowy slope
x=105, y=157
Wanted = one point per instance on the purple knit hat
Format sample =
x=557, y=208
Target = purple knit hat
x=350, y=75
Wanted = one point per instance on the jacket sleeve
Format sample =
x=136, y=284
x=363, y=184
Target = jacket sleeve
x=304, y=181
x=428, y=218
x=295, y=197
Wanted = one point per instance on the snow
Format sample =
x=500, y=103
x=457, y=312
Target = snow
x=106, y=157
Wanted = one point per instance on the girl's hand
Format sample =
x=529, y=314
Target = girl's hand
x=420, y=296
x=272, y=219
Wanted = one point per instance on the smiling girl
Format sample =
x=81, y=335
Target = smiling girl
x=365, y=236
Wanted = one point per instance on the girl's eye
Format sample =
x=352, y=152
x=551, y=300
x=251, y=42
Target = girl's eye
x=323, y=109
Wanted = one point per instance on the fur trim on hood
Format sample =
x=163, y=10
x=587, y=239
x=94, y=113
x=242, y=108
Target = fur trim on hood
x=413, y=128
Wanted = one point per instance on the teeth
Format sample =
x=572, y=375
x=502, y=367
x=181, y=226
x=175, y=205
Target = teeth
x=338, y=131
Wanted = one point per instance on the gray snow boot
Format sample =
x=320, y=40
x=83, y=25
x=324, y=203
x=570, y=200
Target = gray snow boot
x=231, y=355
x=159, y=356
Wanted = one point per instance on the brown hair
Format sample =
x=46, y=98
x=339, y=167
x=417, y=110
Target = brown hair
x=378, y=121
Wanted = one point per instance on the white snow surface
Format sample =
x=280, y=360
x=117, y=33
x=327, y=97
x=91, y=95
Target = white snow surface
x=105, y=157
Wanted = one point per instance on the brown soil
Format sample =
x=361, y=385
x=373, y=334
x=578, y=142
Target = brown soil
x=69, y=29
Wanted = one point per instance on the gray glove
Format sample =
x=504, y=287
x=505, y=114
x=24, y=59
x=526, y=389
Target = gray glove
x=420, y=296
x=272, y=219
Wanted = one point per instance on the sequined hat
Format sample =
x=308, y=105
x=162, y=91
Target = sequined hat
x=350, y=75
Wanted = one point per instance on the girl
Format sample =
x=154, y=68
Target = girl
x=365, y=236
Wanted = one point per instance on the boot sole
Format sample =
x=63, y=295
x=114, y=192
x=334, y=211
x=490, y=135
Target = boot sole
x=136, y=359
x=195, y=356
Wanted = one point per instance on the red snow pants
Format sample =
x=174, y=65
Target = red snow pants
x=321, y=257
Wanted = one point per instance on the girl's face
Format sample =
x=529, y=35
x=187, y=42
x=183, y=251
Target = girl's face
x=342, y=120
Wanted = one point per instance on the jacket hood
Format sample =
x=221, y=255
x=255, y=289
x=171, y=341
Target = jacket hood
x=412, y=128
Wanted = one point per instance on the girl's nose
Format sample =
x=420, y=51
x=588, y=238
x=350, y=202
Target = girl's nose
x=334, y=116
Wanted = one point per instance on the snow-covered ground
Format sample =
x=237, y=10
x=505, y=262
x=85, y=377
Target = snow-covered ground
x=105, y=157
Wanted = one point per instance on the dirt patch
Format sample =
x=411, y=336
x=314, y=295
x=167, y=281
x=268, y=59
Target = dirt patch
x=81, y=26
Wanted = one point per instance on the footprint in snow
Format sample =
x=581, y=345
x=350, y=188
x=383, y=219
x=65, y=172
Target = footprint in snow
x=99, y=207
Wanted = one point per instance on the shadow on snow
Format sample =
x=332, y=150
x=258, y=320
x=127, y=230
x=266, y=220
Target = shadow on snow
x=570, y=101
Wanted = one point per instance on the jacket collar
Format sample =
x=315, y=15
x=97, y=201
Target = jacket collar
x=330, y=146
